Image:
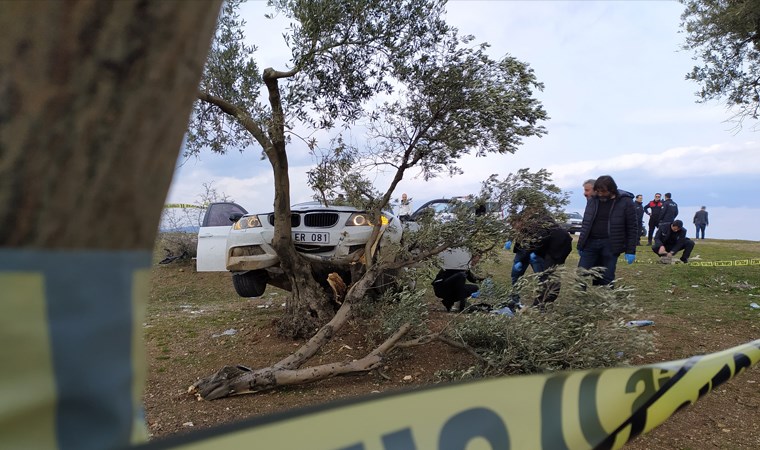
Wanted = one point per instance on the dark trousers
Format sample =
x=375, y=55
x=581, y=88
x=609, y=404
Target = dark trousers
x=598, y=253
x=520, y=266
x=451, y=286
x=688, y=246
x=701, y=227
x=652, y=228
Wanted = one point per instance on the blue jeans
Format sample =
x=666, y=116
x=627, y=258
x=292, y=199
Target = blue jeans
x=701, y=227
x=521, y=262
x=598, y=253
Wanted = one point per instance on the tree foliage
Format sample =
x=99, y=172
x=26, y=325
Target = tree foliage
x=725, y=36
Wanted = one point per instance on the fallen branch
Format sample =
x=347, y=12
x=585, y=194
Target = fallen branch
x=236, y=380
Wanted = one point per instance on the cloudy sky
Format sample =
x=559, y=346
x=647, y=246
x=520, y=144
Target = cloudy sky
x=618, y=101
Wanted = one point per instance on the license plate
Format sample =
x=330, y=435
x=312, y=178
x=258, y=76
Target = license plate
x=311, y=238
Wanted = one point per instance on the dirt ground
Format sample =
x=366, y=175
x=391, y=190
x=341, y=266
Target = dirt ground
x=729, y=417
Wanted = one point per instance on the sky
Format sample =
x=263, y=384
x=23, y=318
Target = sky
x=618, y=102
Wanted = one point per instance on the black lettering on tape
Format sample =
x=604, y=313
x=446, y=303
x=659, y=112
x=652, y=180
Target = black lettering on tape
x=587, y=409
x=401, y=440
x=551, y=413
x=473, y=423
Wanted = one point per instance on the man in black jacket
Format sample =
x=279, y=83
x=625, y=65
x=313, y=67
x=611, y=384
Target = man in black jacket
x=638, y=204
x=608, y=229
x=653, y=209
x=672, y=239
x=669, y=211
x=553, y=249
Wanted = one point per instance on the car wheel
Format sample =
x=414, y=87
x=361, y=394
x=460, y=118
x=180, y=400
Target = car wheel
x=251, y=283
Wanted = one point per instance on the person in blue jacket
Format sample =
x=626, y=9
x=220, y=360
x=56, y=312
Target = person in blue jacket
x=608, y=229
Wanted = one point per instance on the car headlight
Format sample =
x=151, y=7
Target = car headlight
x=247, y=222
x=362, y=219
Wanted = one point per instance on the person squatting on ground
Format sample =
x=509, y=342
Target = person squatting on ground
x=672, y=239
x=608, y=229
x=450, y=285
x=701, y=221
x=638, y=204
x=654, y=210
x=669, y=211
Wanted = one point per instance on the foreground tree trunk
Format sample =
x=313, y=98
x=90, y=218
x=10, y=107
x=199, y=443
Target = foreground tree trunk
x=95, y=98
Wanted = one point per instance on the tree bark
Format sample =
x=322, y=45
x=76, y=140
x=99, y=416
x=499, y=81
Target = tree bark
x=96, y=98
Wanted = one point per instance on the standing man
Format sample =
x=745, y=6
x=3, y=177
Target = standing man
x=654, y=210
x=638, y=204
x=588, y=188
x=405, y=207
x=700, y=220
x=669, y=210
x=671, y=239
x=609, y=229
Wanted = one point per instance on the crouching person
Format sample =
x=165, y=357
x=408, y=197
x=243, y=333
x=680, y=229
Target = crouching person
x=553, y=249
x=670, y=240
x=450, y=285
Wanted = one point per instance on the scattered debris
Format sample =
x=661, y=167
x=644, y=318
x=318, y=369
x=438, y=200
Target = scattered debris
x=229, y=332
x=754, y=305
x=188, y=424
x=639, y=323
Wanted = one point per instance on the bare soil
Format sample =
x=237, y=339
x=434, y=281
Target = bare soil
x=186, y=342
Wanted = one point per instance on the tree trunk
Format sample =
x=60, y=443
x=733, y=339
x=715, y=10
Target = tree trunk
x=94, y=100
x=308, y=306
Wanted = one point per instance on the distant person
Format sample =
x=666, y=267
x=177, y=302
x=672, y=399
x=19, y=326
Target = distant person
x=609, y=229
x=638, y=204
x=405, y=207
x=701, y=221
x=654, y=210
x=669, y=210
x=588, y=188
x=670, y=240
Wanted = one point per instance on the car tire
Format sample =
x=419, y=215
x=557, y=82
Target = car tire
x=251, y=283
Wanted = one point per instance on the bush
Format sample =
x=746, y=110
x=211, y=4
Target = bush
x=584, y=328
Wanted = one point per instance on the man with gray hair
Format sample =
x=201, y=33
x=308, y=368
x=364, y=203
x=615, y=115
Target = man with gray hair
x=588, y=188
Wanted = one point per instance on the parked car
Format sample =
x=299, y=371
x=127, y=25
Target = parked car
x=573, y=222
x=329, y=236
x=442, y=210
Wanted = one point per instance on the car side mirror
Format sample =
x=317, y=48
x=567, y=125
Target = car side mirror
x=234, y=217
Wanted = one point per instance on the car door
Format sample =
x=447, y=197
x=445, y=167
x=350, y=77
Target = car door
x=212, y=236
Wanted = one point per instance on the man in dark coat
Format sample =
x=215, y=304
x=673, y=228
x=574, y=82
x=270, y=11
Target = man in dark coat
x=701, y=221
x=669, y=211
x=608, y=229
x=638, y=203
x=451, y=286
x=653, y=209
x=672, y=239
x=553, y=249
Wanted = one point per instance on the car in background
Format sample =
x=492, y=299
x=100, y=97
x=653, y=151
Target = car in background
x=328, y=236
x=573, y=223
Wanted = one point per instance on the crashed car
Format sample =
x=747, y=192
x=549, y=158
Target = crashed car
x=328, y=236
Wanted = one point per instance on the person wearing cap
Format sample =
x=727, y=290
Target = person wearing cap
x=670, y=240
x=701, y=222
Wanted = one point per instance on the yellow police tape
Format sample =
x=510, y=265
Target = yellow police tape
x=602, y=409
x=182, y=205
x=725, y=263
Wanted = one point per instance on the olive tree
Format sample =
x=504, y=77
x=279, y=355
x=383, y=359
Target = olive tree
x=421, y=96
x=725, y=36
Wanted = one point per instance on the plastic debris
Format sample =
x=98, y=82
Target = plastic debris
x=639, y=323
x=754, y=305
x=229, y=332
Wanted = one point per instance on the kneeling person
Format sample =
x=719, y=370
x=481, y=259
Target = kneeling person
x=670, y=240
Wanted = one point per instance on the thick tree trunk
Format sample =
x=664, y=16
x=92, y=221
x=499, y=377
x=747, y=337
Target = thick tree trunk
x=308, y=306
x=94, y=99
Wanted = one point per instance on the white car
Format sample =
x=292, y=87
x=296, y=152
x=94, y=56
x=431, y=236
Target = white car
x=329, y=236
